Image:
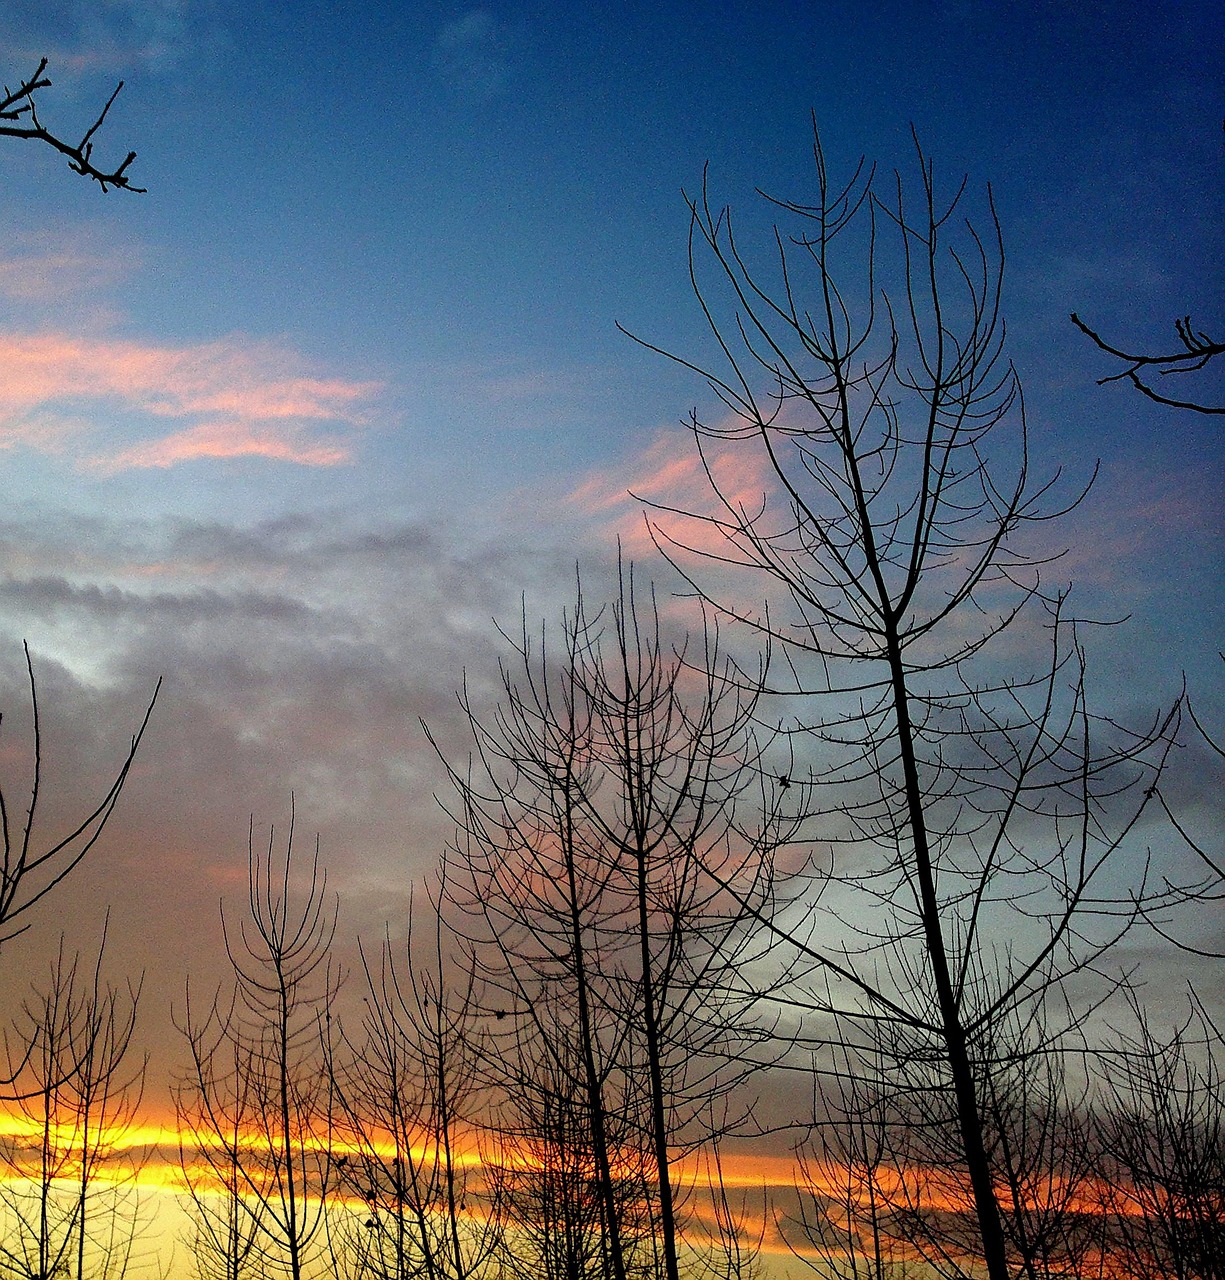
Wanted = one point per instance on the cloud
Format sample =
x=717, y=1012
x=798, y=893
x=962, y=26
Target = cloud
x=226, y=440
x=299, y=655
x=667, y=484
x=82, y=36
x=469, y=55
x=234, y=398
x=470, y=30
x=58, y=266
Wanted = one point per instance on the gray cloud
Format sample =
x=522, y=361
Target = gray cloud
x=299, y=656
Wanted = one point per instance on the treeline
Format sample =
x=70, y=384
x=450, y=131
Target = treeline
x=883, y=844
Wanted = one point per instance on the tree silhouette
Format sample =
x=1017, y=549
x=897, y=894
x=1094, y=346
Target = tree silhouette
x=69, y=1202
x=409, y=1094
x=965, y=815
x=614, y=792
x=257, y=1099
x=1161, y=1131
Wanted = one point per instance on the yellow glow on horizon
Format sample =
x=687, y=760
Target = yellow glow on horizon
x=761, y=1183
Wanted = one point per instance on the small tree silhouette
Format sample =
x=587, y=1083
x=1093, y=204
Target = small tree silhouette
x=69, y=1199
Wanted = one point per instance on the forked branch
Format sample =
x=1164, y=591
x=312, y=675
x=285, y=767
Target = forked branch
x=28, y=873
x=19, y=119
x=1198, y=349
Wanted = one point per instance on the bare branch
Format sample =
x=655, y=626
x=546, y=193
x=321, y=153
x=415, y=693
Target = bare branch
x=1198, y=350
x=19, y=119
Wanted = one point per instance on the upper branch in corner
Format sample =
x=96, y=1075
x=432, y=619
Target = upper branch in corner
x=19, y=119
x=1198, y=350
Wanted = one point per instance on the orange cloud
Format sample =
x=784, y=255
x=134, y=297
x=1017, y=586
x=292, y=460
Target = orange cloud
x=237, y=399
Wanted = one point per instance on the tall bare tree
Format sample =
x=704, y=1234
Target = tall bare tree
x=409, y=1102
x=257, y=1099
x=967, y=816
x=612, y=795
x=1033, y=1091
x=555, y=1196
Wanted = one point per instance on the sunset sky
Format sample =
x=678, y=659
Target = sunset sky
x=293, y=428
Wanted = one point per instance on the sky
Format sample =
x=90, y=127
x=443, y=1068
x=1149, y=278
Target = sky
x=291, y=430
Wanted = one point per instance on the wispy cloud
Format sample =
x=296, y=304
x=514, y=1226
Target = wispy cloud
x=82, y=36
x=57, y=266
x=469, y=55
x=230, y=398
x=666, y=483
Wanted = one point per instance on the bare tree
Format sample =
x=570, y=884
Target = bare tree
x=967, y=816
x=258, y=1092
x=408, y=1096
x=546, y=1172
x=70, y=1202
x=1033, y=1090
x=31, y=869
x=603, y=789
x=19, y=119
x=1197, y=351
x=214, y=1111
x=846, y=1223
x=1035, y=1097
x=1161, y=1129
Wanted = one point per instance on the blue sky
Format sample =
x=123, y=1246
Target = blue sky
x=294, y=426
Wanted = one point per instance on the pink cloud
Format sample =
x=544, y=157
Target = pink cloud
x=669, y=472
x=56, y=266
x=1131, y=515
x=238, y=399
x=224, y=440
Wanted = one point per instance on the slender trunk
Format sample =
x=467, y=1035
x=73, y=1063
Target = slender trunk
x=44, y=1196
x=232, y=1261
x=444, y=1135
x=403, y=1173
x=595, y=1100
x=659, y=1130
x=969, y=1116
x=83, y=1189
x=291, y=1222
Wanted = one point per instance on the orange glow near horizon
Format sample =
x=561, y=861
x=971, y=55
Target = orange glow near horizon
x=762, y=1184
x=737, y=1170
